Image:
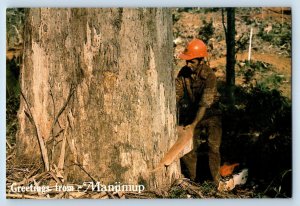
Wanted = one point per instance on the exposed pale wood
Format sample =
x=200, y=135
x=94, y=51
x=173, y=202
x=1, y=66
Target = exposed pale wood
x=9, y=146
x=61, y=160
x=38, y=135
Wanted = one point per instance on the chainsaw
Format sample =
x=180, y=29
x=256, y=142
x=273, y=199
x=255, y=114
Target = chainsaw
x=182, y=146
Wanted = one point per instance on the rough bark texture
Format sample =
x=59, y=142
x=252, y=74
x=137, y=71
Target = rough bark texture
x=120, y=120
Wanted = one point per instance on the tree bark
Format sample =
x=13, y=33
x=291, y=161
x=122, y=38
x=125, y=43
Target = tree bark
x=230, y=58
x=100, y=82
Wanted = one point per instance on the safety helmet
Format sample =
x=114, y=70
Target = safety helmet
x=195, y=49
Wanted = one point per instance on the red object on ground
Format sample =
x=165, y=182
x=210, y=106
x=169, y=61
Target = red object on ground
x=226, y=170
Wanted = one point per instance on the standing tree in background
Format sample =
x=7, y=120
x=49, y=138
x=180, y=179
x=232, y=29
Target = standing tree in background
x=230, y=57
x=98, y=97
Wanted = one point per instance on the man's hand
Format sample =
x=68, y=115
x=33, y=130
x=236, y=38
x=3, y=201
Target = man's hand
x=199, y=116
x=190, y=126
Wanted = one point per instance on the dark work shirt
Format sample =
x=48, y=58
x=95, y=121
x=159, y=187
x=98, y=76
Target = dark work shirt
x=201, y=87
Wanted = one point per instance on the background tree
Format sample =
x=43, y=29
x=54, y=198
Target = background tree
x=98, y=98
x=230, y=56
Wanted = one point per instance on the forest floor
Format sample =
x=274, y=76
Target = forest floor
x=33, y=175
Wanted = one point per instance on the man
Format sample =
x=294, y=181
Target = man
x=196, y=95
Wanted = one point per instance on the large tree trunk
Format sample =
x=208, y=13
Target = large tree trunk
x=106, y=76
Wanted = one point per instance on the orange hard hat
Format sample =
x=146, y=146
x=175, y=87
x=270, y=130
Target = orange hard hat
x=195, y=49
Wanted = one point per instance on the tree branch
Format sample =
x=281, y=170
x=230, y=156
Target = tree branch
x=40, y=139
x=223, y=22
x=61, y=160
x=88, y=174
x=71, y=93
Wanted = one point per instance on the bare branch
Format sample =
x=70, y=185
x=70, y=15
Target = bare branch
x=61, y=160
x=71, y=93
x=72, y=90
x=9, y=146
x=26, y=181
x=40, y=139
x=223, y=22
x=22, y=196
x=88, y=174
x=55, y=177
